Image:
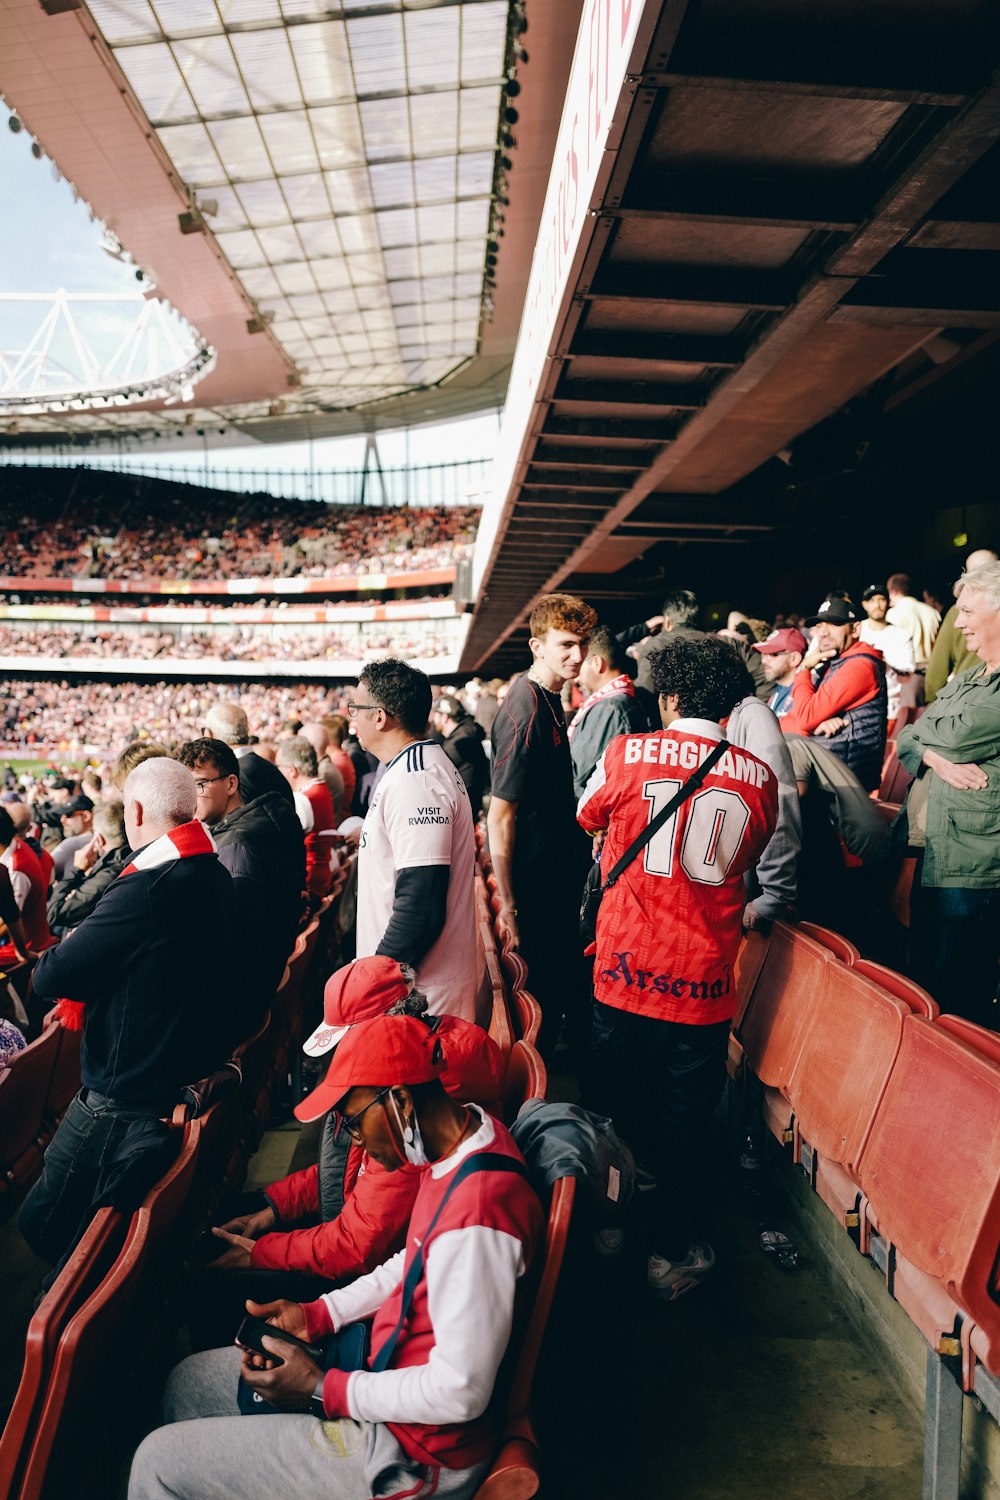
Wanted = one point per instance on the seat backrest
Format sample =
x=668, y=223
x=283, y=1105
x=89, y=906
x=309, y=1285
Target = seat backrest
x=500, y=1027
x=749, y=962
x=98, y=1246
x=526, y=1079
x=976, y=1037
x=65, y=1081
x=791, y=983
x=251, y=1057
x=527, y=1016
x=514, y=1473
x=844, y=1063
x=91, y=1369
x=839, y=946
x=907, y=990
x=931, y=1167
x=24, y=1088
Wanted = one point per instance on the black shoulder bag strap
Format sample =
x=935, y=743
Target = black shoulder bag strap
x=479, y=1161
x=652, y=829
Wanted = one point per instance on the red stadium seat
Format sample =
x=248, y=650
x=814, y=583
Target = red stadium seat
x=527, y=1016
x=526, y=1079
x=839, y=1078
x=840, y=947
x=935, y=1193
x=65, y=1081
x=97, y=1248
x=24, y=1088
x=749, y=962
x=515, y=1472
x=978, y=1037
x=907, y=990
x=500, y=1028
x=89, y=1384
x=771, y=1032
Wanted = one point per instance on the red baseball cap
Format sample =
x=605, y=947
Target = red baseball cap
x=359, y=991
x=787, y=639
x=382, y=1053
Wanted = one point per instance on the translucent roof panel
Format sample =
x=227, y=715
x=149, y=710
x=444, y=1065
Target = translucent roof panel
x=350, y=150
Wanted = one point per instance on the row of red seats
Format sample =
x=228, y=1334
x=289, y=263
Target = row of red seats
x=893, y=1111
x=100, y=1338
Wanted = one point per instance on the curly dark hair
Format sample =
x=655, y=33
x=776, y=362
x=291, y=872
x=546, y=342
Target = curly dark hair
x=208, y=752
x=401, y=690
x=706, y=674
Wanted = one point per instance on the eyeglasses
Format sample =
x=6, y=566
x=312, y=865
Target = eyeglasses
x=350, y=1122
x=206, y=781
x=353, y=709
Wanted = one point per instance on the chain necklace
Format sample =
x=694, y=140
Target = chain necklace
x=558, y=725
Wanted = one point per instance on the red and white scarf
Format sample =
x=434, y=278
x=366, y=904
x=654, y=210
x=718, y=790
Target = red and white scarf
x=183, y=842
x=622, y=684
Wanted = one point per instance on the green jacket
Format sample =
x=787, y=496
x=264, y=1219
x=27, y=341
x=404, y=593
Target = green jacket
x=963, y=827
x=950, y=657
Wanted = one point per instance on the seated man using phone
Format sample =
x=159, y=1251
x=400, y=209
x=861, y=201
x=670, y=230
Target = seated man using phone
x=414, y=1419
x=345, y=1215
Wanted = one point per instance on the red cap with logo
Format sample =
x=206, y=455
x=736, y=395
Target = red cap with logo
x=787, y=639
x=357, y=992
x=383, y=1053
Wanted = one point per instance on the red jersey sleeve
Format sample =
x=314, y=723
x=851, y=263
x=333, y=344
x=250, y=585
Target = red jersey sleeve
x=855, y=683
x=368, y=1230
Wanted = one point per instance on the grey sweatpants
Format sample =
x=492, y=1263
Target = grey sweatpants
x=207, y=1451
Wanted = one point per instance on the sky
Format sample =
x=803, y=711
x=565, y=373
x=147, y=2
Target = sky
x=58, y=245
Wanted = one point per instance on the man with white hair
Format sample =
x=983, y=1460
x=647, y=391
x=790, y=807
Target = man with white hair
x=952, y=655
x=952, y=816
x=147, y=978
x=228, y=722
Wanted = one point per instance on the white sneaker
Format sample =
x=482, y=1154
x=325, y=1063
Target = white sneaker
x=608, y=1243
x=671, y=1279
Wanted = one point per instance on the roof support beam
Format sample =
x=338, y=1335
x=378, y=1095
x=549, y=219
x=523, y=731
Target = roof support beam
x=596, y=393
x=720, y=353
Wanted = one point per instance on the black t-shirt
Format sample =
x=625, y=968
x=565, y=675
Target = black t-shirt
x=532, y=767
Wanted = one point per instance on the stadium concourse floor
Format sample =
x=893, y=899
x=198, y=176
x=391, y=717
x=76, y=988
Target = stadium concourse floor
x=755, y=1385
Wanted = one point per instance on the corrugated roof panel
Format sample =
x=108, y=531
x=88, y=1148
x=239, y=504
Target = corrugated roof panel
x=158, y=82
x=211, y=74
x=377, y=55
x=290, y=142
x=263, y=201
x=484, y=29
x=338, y=135
x=124, y=20
x=432, y=48
x=323, y=61
x=266, y=63
x=435, y=123
x=191, y=151
x=241, y=148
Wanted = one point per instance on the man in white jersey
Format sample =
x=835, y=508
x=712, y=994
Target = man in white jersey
x=417, y=852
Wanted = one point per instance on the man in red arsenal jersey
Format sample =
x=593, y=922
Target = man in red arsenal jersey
x=668, y=932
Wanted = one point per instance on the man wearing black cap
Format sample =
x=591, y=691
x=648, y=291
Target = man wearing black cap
x=77, y=820
x=893, y=642
x=839, y=692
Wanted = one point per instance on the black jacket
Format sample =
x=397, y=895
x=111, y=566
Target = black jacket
x=153, y=964
x=258, y=776
x=261, y=846
x=74, y=897
x=464, y=748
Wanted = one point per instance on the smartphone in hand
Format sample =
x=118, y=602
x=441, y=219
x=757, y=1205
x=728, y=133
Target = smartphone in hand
x=253, y=1331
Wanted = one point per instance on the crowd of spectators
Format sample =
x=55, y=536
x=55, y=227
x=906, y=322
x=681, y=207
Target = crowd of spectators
x=157, y=530
x=247, y=643
x=768, y=736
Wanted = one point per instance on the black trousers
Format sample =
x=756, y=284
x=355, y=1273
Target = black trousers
x=660, y=1082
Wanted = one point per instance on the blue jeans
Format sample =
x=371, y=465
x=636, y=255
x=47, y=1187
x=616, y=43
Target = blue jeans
x=89, y=1134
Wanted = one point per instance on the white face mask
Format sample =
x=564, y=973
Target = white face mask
x=413, y=1141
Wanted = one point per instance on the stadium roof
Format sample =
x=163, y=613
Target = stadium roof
x=314, y=186
x=783, y=212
